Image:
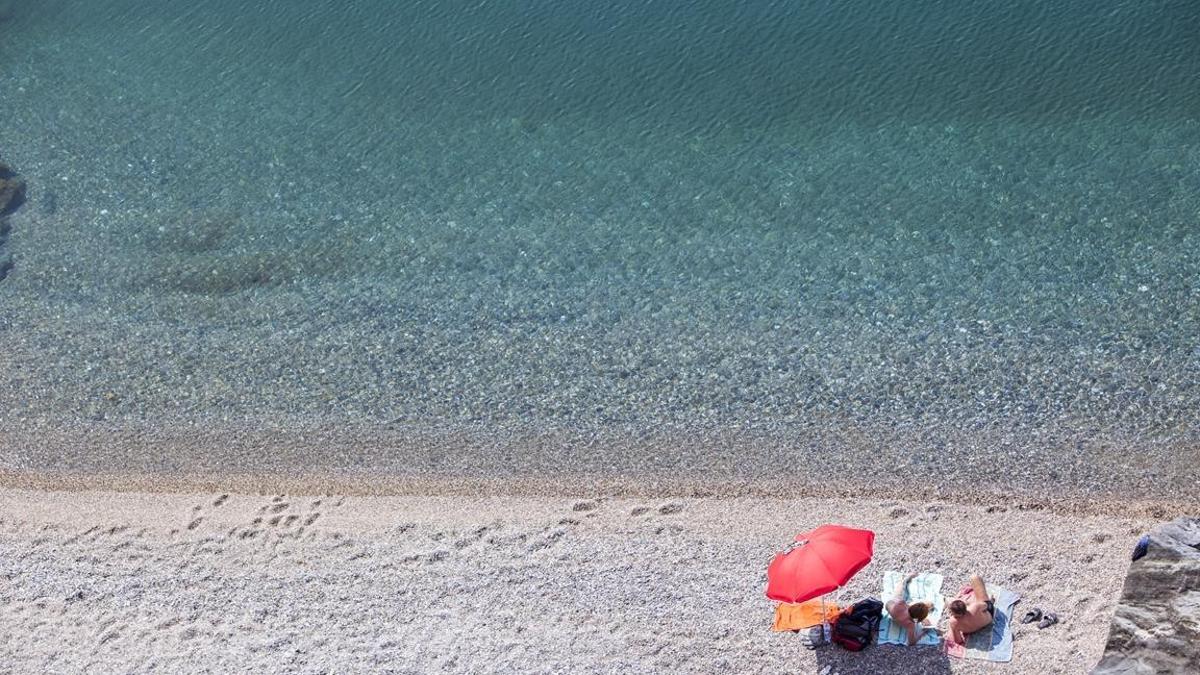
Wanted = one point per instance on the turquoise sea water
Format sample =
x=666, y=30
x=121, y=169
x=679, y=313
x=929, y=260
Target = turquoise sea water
x=966, y=231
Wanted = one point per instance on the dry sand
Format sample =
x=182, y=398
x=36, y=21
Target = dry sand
x=96, y=581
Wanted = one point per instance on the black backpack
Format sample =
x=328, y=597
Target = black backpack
x=855, y=628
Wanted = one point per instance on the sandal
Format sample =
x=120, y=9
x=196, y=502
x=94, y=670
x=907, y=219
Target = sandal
x=1048, y=620
x=1032, y=615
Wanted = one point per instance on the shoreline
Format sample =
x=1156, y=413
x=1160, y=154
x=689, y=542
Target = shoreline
x=1153, y=480
x=566, y=485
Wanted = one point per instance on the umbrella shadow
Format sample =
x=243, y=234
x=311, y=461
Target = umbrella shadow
x=882, y=659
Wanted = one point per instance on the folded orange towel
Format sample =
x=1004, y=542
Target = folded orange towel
x=804, y=615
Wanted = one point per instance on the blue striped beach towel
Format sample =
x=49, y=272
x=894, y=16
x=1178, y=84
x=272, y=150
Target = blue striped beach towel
x=924, y=588
x=993, y=643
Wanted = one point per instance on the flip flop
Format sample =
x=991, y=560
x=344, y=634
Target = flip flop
x=1032, y=615
x=1048, y=620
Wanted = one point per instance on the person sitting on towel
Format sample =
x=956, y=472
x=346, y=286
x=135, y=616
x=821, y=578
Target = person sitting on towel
x=908, y=616
x=968, y=617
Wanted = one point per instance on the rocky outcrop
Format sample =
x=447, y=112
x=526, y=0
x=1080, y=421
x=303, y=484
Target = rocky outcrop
x=12, y=190
x=12, y=196
x=1156, y=626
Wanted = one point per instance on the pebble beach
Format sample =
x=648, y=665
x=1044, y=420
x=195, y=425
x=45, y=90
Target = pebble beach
x=137, y=582
x=394, y=256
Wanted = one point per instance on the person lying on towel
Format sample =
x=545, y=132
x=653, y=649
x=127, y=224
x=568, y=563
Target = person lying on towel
x=971, y=614
x=908, y=616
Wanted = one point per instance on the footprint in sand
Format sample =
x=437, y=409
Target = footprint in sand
x=475, y=536
x=549, y=539
x=1080, y=605
x=426, y=558
x=670, y=509
x=81, y=535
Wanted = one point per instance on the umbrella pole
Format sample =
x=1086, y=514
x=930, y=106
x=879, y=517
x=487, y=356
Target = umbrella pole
x=824, y=623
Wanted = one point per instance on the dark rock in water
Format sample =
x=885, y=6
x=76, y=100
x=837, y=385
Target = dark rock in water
x=12, y=190
x=1156, y=627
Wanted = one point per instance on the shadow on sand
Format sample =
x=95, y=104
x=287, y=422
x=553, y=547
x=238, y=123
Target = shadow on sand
x=833, y=660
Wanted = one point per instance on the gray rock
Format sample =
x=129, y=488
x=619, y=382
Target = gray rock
x=1156, y=626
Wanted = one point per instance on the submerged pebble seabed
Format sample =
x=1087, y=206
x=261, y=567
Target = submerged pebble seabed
x=1023, y=287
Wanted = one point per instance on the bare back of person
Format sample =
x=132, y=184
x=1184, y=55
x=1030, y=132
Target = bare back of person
x=898, y=610
x=907, y=616
x=971, y=616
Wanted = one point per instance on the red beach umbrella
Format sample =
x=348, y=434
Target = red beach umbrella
x=818, y=562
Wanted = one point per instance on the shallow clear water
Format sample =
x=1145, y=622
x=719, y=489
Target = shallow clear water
x=960, y=230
